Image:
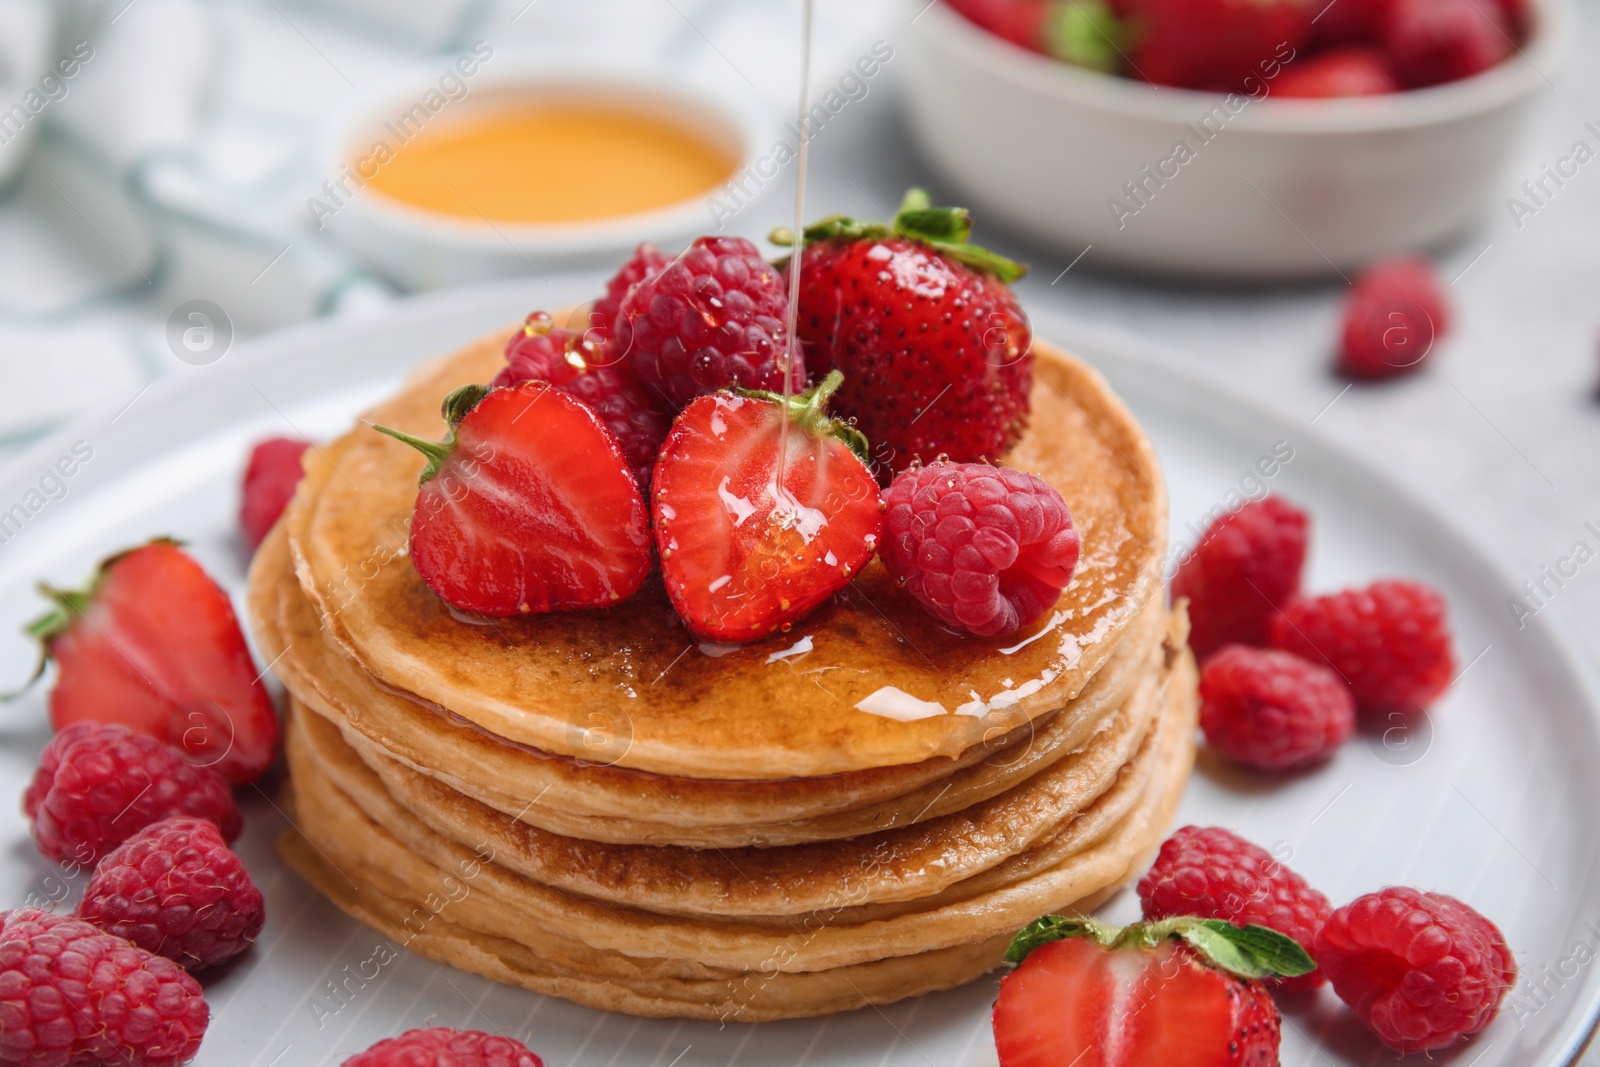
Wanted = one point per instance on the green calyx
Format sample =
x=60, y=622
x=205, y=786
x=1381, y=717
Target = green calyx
x=454, y=409
x=68, y=606
x=809, y=412
x=1085, y=33
x=943, y=229
x=1247, y=951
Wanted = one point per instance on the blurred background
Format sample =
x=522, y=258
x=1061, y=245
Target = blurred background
x=160, y=153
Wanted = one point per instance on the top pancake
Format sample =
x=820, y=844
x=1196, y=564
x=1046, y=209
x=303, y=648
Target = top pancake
x=630, y=686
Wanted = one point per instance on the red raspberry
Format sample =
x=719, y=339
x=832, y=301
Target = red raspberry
x=1216, y=874
x=1422, y=970
x=176, y=890
x=1390, y=642
x=646, y=262
x=987, y=549
x=712, y=318
x=98, y=785
x=444, y=1047
x=270, y=478
x=545, y=352
x=1244, y=567
x=1395, y=313
x=1434, y=41
x=73, y=995
x=1272, y=710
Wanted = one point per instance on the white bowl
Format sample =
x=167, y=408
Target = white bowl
x=1287, y=187
x=426, y=250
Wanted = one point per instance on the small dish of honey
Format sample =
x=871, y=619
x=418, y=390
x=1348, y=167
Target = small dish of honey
x=465, y=177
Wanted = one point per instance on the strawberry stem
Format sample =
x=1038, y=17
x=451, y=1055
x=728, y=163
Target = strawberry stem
x=454, y=409
x=808, y=412
x=943, y=229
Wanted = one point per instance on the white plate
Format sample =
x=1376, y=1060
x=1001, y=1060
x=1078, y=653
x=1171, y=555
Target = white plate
x=1496, y=806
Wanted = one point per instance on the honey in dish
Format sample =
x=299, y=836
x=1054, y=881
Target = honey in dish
x=551, y=163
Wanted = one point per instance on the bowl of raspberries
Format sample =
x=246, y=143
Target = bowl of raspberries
x=1242, y=139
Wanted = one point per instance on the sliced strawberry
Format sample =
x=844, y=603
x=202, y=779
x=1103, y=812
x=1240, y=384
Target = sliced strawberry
x=742, y=557
x=527, y=506
x=153, y=644
x=1179, y=993
x=270, y=478
x=542, y=351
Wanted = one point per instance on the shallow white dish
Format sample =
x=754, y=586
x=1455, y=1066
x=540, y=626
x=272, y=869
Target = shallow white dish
x=1494, y=804
x=426, y=250
x=1274, y=187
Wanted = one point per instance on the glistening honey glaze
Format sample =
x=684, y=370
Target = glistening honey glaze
x=564, y=162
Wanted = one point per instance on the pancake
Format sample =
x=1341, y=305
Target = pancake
x=660, y=809
x=501, y=925
x=681, y=708
x=905, y=863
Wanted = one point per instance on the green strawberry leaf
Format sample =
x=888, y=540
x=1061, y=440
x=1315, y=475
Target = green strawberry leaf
x=1084, y=33
x=1247, y=951
x=808, y=410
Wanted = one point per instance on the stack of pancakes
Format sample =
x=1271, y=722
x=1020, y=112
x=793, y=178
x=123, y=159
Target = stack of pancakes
x=600, y=806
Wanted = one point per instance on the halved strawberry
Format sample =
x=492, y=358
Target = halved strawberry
x=270, y=478
x=1179, y=993
x=527, y=505
x=153, y=644
x=741, y=555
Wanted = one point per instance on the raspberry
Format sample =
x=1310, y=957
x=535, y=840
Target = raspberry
x=1216, y=874
x=1422, y=970
x=545, y=352
x=646, y=262
x=1245, y=566
x=73, y=995
x=1272, y=710
x=713, y=318
x=1433, y=41
x=987, y=549
x=270, y=478
x=1395, y=312
x=441, y=1046
x=176, y=890
x=98, y=785
x=1390, y=642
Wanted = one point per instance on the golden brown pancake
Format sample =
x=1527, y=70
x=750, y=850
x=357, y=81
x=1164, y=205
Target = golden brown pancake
x=578, y=800
x=502, y=925
x=743, y=713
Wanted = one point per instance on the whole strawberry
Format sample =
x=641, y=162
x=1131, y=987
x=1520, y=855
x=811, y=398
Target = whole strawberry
x=743, y=552
x=441, y=1046
x=270, y=478
x=986, y=549
x=1271, y=710
x=1394, y=315
x=177, y=890
x=72, y=995
x=1338, y=72
x=153, y=644
x=527, y=505
x=1216, y=45
x=1184, y=992
x=1422, y=970
x=1244, y=567
x=542, y=351
x=711, y=319
x=1390, y=642
x=936, y=352
x=1216, y=874
x=1436, y=41
x=98, y=785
